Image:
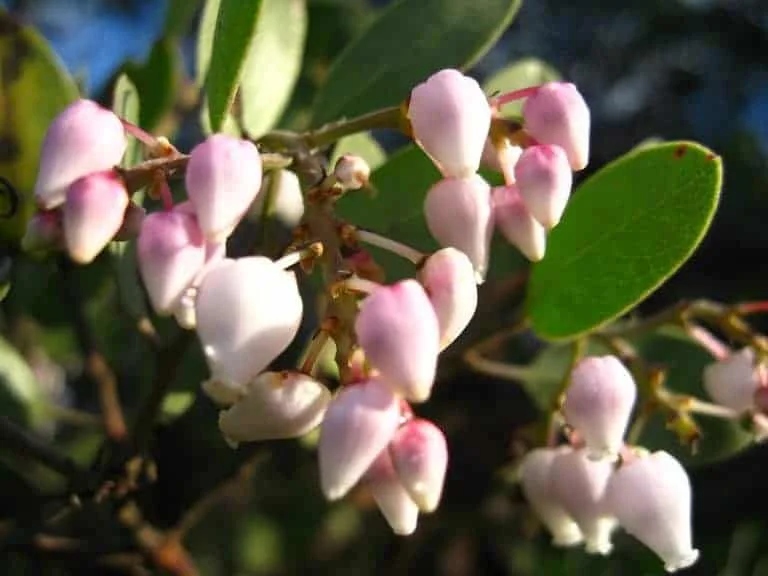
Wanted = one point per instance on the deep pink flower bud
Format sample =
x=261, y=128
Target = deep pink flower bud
x=223, y=178
x=449, y=279
x=517, y=224
x=651, y=497
x=580, y=484
x=44, y=232
x=276, y=405
x=450, y=117
x=544, y=180
x=352, y=172
x=458, y=214
x=732, y=382
x=536, y=483
x=83, y=138
x=420, y=455
x=358, y=425
x=170, y=252
x=557, y=114
x=248, y=311
x=391, y=497
x=399, y=332
x=93, y=213
x=598, y=404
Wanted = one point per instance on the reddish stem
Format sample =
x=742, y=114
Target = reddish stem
x=753, y=307
x=516, y=95
x=141, y=135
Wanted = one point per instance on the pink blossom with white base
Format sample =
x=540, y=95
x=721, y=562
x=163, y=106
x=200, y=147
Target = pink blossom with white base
x=358, y=425
x=517, y=224
x=450, y=117
x=92, y=214
x=651, y=498
x=397, y=507
x=82, y=139
x=544, y=179
x=399, y=332
x=458, y=214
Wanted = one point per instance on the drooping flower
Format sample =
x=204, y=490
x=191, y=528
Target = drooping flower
x=544, y=180
x=733, y=381
x=517, y=224
x=397, y=507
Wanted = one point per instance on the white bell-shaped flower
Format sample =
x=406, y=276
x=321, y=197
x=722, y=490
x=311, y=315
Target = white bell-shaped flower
x=733, y=381
x=401, y=513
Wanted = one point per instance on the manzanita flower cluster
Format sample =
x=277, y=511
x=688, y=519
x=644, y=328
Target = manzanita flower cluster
x=582, y=496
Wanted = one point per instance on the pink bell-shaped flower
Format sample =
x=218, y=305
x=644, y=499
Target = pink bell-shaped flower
x=399, y=332
x=544, y=180
x=537, y=486
x=44, y=231
x=420, y=455
x=83, y=138
x=598, y=404
x=170, y=251
x=733, y=381
x=517, y=224
x=248, y=311
x=450, y=117
x=651, y=498
x=458, y=214
x=557, y=114
x=449, y=279
x=275, y=405
x=358, y=425
x=401, y=513
x=223, y=178
x=580, y=484
x=92, y=214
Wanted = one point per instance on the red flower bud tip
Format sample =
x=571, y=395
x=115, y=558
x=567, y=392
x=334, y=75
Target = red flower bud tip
x=83, y=138
x=544, y=180
x=92, y=214
x=517, y=224
x=391, y=497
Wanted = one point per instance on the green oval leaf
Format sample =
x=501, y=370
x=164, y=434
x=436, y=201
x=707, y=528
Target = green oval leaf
x=409, y=41
x=273, y=63
x=34, y=88
x=626, y=230
x=20, y=395
x=125, y=103
x=519, y=74
x=232, y=35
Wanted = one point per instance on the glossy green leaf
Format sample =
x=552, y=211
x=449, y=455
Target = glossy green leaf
x=361, y=144
x=626, y=230
x=34, y=88
x=273, y=63
x=408, y=42
x=233, y=33
x=125, y=103
x=156, y=81
x=519, y=74
x=20, y=394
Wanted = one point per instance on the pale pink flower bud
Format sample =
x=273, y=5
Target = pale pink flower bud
x=223, y=178
x=83, y=138
x=458, y=214
x=399, y=332
x=275, y=405
x=517, y=224
x=598, y=404
x=352, y=172
x=358, y=425
x=449, y=279
x=450, y=117
x=651, y=498
x=537, y=486
x=733, y=381
x=557, y=114
x=170, y=252
x=397, y=507
x=544, y=180
x=44, y=232
x=580, y=484
x=420, y=455
x=282, y=189
x=92, y=214
x=248, y=311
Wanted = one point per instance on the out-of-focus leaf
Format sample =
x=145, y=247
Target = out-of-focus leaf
x=156, y=81
x=273, y=63
x=234, y=32
x=363, y=145
x=408, y=42
x=519, y=74
x=625, y=231
x=20, y=395
x=6, y=267
x=175, y=404
x=127, y=276
x=259, y=544
x=179, y=16
x=34, y=88
x=125, y=103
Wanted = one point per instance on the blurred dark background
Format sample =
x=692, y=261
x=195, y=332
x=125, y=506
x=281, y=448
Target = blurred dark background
x=670, y=69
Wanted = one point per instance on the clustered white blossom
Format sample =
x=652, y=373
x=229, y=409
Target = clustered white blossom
x=246, y=311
